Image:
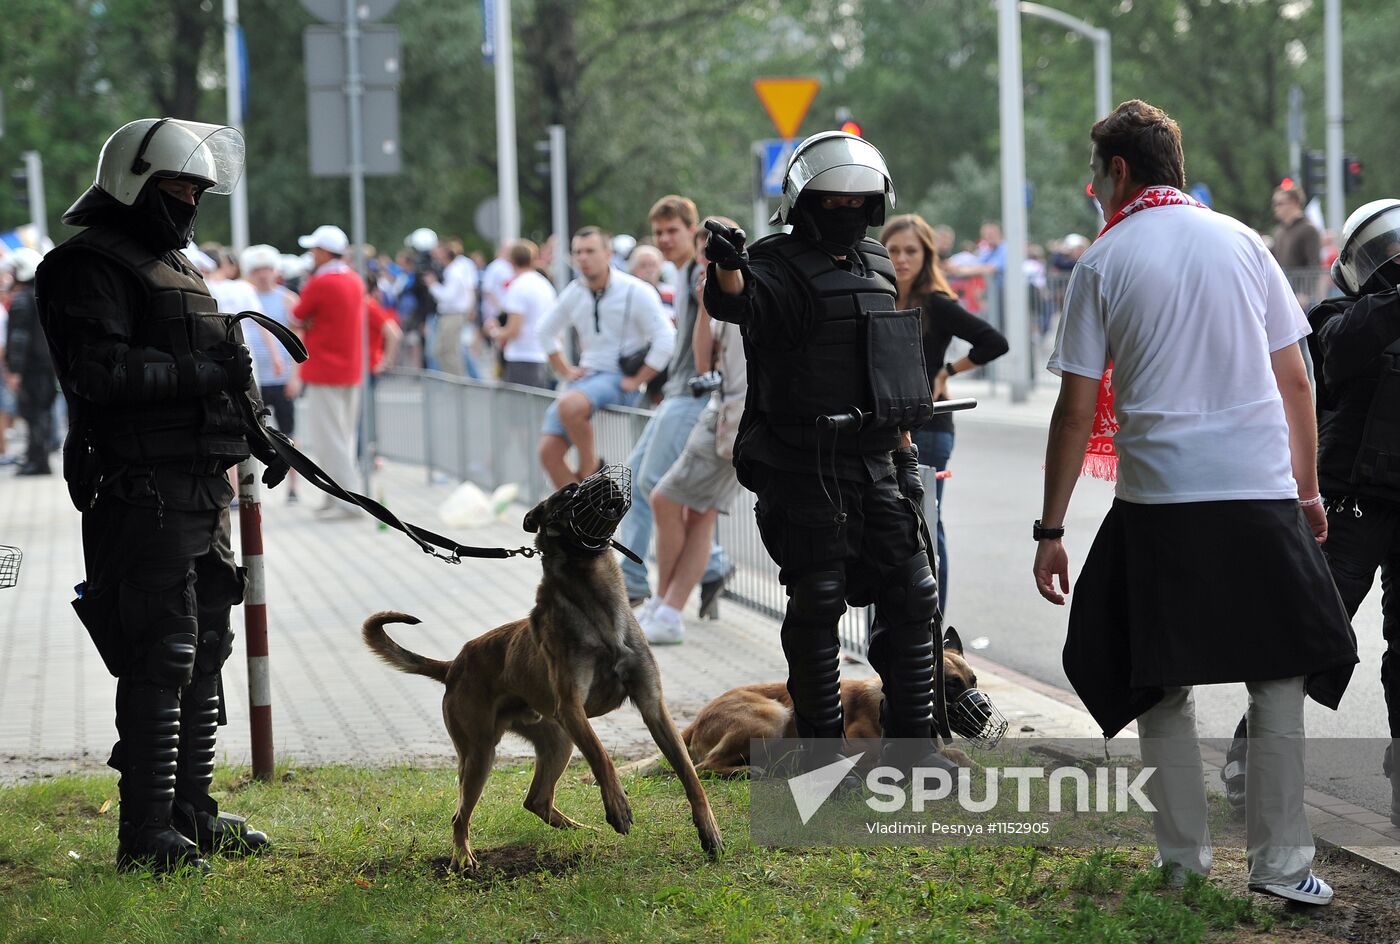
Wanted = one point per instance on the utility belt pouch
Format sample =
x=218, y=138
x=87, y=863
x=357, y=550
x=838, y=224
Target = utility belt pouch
x=98, y=613
x=899, y=386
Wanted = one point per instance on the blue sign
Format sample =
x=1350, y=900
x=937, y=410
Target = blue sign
x=1202, y=193
x=776, y=154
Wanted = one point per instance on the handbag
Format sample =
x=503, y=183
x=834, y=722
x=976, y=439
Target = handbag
x=629, y=364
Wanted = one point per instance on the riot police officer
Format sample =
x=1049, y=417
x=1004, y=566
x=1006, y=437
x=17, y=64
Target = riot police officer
x=837, y=509
x=153, y=376
x=1355, y=347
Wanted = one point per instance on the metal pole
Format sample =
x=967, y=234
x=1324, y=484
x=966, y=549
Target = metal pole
x=760, y=199
x=1336, y=199
x=1295, y=136
x=255, y=618
x=559, y=204
x=1103, y=82
x=34, y=168
x=508, y=188
x=1015, y=298
x=1103, y=73
x=354, y=93
x=233, y=83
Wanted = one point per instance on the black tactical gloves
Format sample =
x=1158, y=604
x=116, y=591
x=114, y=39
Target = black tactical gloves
x=906, y=473
x=726, y=246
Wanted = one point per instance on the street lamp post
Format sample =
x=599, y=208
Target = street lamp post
x=1015, y=296
x=1332, y=42
x=1103, y=96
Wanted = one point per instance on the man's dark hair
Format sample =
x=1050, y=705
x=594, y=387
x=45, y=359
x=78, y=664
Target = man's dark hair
x=594, y=231
x=1147, y=139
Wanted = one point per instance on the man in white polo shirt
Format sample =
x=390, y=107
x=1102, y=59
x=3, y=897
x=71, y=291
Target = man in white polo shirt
x=1207, y=567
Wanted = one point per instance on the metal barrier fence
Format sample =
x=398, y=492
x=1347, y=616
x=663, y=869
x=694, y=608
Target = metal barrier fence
x=486, y=433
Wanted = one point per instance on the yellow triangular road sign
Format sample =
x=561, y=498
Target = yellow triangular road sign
x=787, y=101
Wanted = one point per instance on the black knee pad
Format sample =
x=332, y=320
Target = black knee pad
x=818, y=597
x=170, y=661
x=909, y=594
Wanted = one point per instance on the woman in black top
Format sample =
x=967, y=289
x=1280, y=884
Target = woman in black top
x=910, y=242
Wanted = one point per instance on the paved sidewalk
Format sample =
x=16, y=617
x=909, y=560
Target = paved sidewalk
x=333, y=703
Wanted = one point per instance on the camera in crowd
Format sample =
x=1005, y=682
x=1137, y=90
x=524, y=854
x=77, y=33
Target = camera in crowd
x=705, y=384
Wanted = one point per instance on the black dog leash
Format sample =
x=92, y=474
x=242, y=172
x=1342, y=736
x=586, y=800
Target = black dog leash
x=429, y=542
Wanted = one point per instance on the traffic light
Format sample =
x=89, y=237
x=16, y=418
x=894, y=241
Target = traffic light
x=1351, y=174
x=847, y=123
x=1314, y=174
x=19, y=186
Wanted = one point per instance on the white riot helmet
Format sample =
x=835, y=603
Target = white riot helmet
x=22, y=263
x=1370, y=239
x=835, y=162
x=208, y=155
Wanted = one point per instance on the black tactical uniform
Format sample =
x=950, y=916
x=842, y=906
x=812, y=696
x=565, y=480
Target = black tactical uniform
x=830, y=509
x=151, y=373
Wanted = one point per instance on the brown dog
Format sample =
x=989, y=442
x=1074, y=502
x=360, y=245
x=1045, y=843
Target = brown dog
x=577, y=656
x=718, y=739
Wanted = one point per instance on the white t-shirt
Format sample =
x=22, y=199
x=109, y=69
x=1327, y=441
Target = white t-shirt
x=233, y=296
x=531, y=296
x=494, y=279
x=629, y=317
x=1188, y=305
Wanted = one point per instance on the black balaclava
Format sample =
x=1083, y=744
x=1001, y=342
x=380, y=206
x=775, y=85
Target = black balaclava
x=158, y=219
x=1384, y=279
x=837, y=231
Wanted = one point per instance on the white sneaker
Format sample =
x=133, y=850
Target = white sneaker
x=662, y=630
x=648, y=608
x=1310, y=891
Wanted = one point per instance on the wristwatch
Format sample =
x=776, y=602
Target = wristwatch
x=1047, y=534
x=949, y=369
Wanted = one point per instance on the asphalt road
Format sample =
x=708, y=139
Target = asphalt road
x=989, y=504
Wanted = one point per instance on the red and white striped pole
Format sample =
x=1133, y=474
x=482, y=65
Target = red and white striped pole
x=255, y=617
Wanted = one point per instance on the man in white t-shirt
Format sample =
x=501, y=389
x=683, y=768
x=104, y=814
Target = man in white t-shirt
x=1207, y=567
x=525, y=299
x=620, y=325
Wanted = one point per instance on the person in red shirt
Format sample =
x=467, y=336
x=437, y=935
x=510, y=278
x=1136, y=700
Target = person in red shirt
x=384, y=330
x=329, y=314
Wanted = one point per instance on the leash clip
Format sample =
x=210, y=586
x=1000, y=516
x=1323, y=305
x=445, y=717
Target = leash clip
x=523, y=552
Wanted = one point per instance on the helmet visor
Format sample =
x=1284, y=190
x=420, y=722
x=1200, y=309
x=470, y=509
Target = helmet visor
x=1376, y=244
x=212, y=154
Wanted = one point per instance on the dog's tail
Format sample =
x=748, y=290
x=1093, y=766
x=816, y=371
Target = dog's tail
x=395, y=655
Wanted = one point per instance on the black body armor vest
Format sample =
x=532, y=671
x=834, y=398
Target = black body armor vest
x=178, y=317
x=860, y=354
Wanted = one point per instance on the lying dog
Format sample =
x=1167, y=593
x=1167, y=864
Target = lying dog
x=576, y=656
x=718, y=739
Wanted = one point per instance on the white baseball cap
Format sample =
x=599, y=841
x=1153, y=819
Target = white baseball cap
x=330, y=238
x=261, y=256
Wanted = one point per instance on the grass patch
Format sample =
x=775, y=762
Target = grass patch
x=361, y=856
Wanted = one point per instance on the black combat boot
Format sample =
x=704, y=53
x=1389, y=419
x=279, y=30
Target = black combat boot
x=195, y=813
x=148, y=722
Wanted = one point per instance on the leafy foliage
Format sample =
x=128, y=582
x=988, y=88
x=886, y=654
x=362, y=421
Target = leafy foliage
x=656, y=98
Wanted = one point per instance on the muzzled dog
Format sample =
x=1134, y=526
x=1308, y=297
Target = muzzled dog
x=718, y=739
x=576, y=656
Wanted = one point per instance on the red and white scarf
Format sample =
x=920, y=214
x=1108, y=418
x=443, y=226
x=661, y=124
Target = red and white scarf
x=1100, y=459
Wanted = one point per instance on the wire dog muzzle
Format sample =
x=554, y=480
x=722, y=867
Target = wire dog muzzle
x=973, y=717
x=592, y=510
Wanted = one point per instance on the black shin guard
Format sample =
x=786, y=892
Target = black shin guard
x=903, y=647
x=148, y=722
x=817, y=601
x=195, y=812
